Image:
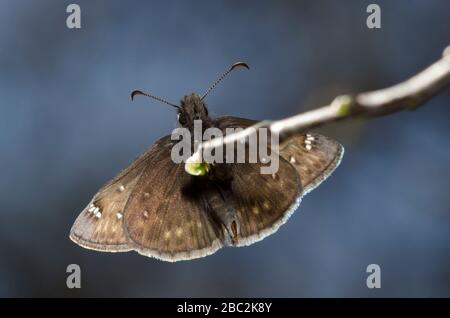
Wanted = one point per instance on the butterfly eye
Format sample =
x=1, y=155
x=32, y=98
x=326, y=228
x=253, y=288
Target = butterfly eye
x=181, y=118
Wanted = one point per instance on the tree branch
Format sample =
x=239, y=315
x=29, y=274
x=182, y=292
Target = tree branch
x=406, y=95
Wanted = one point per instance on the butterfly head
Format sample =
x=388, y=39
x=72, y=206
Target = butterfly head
x=192, y=107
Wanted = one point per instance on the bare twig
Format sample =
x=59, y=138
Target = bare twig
x=406, y=95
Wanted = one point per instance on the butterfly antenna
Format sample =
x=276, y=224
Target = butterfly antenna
x=234, y=66
x=134, y=93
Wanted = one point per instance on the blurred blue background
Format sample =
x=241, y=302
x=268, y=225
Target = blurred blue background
x=67, y=126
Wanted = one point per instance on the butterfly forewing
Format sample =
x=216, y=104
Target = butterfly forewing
x=314, y=156
x=100, y=225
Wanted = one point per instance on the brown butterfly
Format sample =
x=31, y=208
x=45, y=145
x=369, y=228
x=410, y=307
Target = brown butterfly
x=157, y=209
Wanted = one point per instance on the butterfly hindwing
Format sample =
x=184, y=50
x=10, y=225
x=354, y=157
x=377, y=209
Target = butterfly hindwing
x=167, y=216
x=263, y=202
